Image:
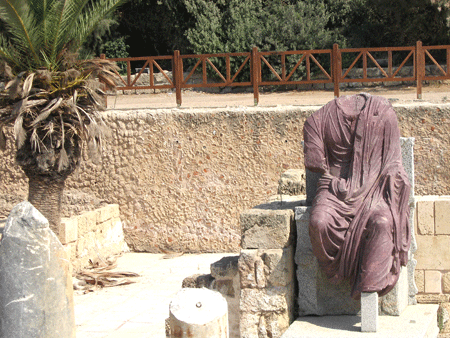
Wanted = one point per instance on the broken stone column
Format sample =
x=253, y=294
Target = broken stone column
x=36, y=293
x=198, y=313
x=224, y=278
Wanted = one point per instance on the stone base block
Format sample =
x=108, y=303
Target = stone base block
x=417, y=321
x=266, y=229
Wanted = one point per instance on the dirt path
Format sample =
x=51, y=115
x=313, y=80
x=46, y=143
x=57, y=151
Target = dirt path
x=194, y=99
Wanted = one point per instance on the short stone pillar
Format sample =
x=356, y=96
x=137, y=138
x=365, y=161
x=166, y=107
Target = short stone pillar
x=198, y=313
x=36, y=292
x=369, y=311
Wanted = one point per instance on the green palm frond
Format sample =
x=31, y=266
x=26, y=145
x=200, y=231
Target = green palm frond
x=20, y=24
x=39, y=32
x=93, y=14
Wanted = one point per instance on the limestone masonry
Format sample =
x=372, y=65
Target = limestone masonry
x=182, y=177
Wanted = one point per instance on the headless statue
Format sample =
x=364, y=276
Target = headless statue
x=359, y=225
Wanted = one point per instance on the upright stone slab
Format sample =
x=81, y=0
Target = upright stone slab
x=316, y=295
x=369, y=312
x=36, y=293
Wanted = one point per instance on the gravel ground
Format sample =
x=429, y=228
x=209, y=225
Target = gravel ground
x=435, y=93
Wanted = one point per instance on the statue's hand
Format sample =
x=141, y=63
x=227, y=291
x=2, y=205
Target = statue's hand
x=338, y=186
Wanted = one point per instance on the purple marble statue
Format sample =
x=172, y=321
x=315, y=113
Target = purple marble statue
x=359, y=225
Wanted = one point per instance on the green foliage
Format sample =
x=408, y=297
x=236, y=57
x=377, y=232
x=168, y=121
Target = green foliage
x=385, y=23
x=117, y=49
x=40, y=32
x=155, y=27
x=238, y=25
x=94, y=45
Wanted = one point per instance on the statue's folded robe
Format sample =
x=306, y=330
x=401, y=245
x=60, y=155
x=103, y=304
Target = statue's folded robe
x=359, y=224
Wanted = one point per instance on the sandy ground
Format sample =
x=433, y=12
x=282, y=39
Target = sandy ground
x=436, y=93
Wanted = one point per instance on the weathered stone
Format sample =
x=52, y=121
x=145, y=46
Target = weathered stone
x=266, y=229
x=443, y=318
x=107, y=212
x=446, y=282
x=36, y=294
x=441, y=216
x=87, y=222
x=68, y=230
x=438, y=246
x=251, y=270
x=227, y=267
x=420, y=280
x=267, y=296
x=280, y=266
x=425, y=216
x=198, y=281
x=265, y=300
x=433, y=282
x=268, y=312
x=292, y=182
x=432, y=298
x=198, y=313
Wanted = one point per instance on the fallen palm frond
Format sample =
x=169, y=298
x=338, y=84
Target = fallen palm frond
x=99, y=275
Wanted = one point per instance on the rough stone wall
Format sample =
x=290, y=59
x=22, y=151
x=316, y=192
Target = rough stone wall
x=182, y=177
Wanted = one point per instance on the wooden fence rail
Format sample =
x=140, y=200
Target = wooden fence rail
x=254, y=69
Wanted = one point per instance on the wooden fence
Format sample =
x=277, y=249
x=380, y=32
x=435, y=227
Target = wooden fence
x=329, y=66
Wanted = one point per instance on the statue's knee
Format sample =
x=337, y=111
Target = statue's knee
x=318, y=223
x=380, y=221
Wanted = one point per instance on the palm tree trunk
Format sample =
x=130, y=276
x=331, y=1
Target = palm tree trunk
x=45, y=194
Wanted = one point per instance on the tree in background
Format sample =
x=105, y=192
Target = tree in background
x=239, y=25
x=155, y=27
x=386, y=23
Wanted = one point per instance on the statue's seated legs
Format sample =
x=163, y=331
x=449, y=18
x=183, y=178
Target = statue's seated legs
x=376, y=268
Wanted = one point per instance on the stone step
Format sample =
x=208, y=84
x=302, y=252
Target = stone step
x=416, y=321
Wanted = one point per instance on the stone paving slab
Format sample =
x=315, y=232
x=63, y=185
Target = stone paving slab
x=138, y=310
x=414, y=322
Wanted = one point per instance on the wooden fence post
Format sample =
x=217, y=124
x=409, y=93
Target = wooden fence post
x=255, y=74
x=177, y=75
x=336, y=65
x=420, y=68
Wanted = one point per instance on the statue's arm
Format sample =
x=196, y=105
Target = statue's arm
x=314, y=147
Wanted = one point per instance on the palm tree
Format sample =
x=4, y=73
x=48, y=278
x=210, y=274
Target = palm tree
x=52, y=98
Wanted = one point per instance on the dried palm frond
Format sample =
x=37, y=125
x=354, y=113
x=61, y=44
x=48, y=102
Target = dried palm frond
x=100, y=275
x=53, y=109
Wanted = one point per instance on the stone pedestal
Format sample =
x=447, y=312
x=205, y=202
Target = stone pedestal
x=36, y=292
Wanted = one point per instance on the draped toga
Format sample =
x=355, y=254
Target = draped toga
x=359, y=225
